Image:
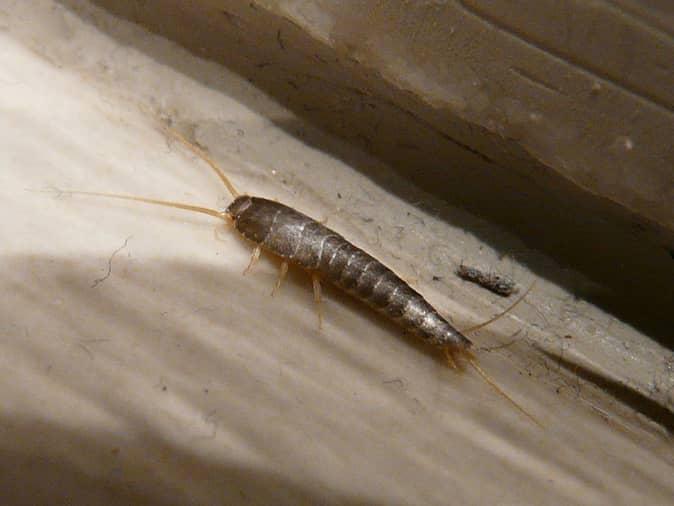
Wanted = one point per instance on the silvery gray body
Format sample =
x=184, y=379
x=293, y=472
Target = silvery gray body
x=301, y=240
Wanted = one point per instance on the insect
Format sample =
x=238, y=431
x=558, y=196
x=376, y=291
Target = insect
x=496, y=283
x=300, y=240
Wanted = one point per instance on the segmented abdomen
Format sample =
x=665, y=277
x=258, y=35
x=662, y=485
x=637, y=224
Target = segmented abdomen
x=302, y=240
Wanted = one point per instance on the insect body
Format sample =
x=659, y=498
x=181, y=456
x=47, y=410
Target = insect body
x=299, y=239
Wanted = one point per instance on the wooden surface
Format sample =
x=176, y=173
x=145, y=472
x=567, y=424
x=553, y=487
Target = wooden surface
x=140, y=366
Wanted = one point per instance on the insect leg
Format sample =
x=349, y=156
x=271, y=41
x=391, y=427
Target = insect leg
x=316, y=281
x=253, y=259
x=281, y=276
x=217, y=231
